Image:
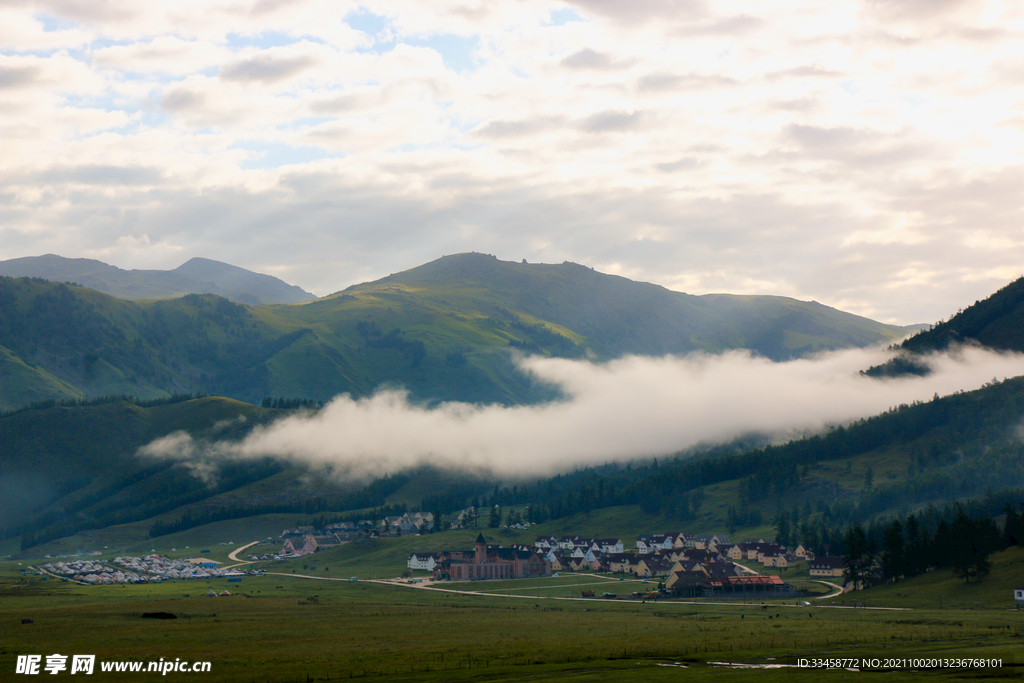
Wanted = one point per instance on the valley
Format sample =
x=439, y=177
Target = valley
x=79, y=486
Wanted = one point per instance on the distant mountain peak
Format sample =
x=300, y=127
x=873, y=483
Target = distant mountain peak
x=196, y=276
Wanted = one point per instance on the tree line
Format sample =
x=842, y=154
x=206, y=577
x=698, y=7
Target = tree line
x=950, y=538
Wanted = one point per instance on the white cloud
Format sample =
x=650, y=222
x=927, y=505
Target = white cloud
x=630, y=408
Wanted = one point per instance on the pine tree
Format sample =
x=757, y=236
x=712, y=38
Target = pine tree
x=894, y=558
x=857, y=560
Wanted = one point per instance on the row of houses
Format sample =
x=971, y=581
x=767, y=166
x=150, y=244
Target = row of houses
x=408, y=524
x=574, y=553
x=767, y=553
x=305, y=540
x=761, y=551
x=681, y=541
x=645, y=545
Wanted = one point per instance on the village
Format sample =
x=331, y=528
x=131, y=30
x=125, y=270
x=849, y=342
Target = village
x=686, y=564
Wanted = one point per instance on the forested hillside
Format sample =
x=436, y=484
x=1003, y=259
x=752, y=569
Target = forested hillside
x=996, y=322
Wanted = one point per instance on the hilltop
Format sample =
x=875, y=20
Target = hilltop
x=612, y=315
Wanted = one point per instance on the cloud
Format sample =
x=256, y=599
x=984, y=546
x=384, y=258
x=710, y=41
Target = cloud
x=168, y=54
x=96, y=174
x=858, y=147
x=513, y=129
x=266, y=68
x=635, y=407
x=591, y=59
x=182, y=100
x=17, y=76
x=684, y=164
x=640, y=11
x=736, y=25
x=917, y=9
x=672, y=81
x=610, y=121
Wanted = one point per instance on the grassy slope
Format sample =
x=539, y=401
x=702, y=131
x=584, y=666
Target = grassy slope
x=616, y=315
x=24, y=384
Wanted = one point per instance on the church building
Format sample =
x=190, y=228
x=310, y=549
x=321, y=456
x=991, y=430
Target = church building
x=485, y=562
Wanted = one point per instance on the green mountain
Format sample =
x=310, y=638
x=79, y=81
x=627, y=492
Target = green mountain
x=611, y=315
x=445, y=331
x=197, y=276
x=995, y=322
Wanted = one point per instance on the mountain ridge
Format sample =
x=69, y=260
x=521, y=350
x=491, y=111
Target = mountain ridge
x=447, y=330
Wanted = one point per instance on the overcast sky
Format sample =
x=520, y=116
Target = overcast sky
x=867, y=155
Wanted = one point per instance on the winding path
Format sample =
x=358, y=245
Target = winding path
x=837, y=587
x=233, y=556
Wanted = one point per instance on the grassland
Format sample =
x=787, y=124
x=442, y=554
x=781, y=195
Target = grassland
x=284, y=627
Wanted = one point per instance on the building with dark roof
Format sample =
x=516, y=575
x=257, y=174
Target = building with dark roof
x=827, y=566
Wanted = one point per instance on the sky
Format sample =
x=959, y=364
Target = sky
x=865, y=154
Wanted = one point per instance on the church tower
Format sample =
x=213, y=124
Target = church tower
x=481, y=550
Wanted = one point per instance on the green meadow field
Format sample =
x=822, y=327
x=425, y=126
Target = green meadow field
x=283, y=627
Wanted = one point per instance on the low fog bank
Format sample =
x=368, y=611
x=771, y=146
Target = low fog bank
x=635, y=407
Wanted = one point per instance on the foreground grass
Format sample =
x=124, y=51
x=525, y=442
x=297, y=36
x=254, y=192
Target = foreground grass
x=284, y=628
